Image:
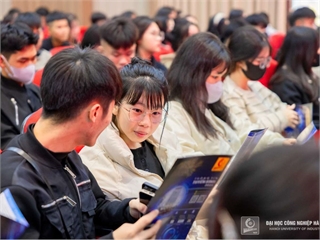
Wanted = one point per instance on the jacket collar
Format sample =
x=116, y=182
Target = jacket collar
x=39, y=153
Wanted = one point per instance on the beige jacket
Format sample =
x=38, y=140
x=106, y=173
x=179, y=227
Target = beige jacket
x=111, y=162
x=260, y=106
x=228, y=141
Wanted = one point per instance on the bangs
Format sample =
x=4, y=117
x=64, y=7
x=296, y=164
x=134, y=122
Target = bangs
x=148, y=88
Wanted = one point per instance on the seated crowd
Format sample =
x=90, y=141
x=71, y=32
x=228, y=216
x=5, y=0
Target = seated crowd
x=118, y=102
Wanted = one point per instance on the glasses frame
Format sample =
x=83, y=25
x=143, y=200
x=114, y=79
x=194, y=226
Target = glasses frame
x=163, y=117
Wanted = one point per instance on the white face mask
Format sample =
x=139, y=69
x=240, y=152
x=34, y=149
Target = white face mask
x=215, y=91
x=23, y=75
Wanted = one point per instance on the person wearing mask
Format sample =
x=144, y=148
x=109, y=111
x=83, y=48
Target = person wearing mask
x=247, y=98
x=118, y=41
x=19, y=97
x=55, y=191
x=59, y=30
x=149, y=40
x=294, y=81
x=34, y=22
x=198, y=117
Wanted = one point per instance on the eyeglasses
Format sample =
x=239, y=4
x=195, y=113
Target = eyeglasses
x=158, y=34
x=138, y=114
x=263, y=62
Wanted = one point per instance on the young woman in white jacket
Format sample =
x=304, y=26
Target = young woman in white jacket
x=197, y=115
x=132, y=149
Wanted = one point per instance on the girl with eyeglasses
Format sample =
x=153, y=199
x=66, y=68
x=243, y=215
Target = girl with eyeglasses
x=198, y=118
x=246, y=97
x=133, y=149
x=149, y=40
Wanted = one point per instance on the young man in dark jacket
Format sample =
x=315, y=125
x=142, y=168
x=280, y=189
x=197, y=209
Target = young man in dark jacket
x=19, y=97
x=56, y=193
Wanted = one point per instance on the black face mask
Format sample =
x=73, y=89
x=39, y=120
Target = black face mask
x=253, y=72
x=316, y=61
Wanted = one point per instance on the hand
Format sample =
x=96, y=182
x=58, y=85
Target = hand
x=290, y=141
x=136, y=231
x=292, y=116
x=137, y=208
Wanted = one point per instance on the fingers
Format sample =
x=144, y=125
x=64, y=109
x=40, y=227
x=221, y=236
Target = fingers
x=138, y=206
x=151, y=232
x=145, y=221
x=292, y=107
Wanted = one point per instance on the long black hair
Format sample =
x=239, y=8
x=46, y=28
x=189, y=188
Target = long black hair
x=187, y=76
x=295, y=60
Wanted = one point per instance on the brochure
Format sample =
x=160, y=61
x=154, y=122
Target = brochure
x=13, y=223
x=307, y=134
x=183, y=192
x=305, y=117
x=187, y=186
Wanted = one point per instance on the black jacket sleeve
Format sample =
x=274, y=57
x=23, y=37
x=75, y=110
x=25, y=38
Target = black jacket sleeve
x=288, y=92
x=109, y=214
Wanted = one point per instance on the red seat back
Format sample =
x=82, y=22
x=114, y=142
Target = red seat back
x=55, y=50
x=37, y=77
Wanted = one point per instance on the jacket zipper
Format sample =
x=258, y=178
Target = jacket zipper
x=14, y=102
x=73, y=178
x=68, y=199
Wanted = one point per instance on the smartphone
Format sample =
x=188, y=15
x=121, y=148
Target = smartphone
x=147, y=192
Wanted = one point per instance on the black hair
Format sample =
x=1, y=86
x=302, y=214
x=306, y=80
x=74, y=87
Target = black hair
x=14, y=37
x=73, y=78
x=91, y=37
x=11, y=16
x=257, y=19
x=165, y=11
x=214, y=27
x=231, y=27
x=264, y=14
x=14, y=10
x=245, y=44
x=128, y=14
x=42, y=11
x=187, y=76
x=97, y=16
x=180, y=32
x=30, y=18
x=140, y=77
x=162, y=22
x=56, y=15
x=303, y=12
x=273, y=192
x=295, y=59
x=142, y=23
x=235, y=13
x=120, y=32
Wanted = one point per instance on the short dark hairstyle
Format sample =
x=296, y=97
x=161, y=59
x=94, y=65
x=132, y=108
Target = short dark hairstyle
x=257, y=19
x=119, y=33
x=14, y=37
x=42, y=11
x=217, y=24
x=235, y=13
x=299, y=13
x=73, y=78
x=97, y=16
x=142, y=23
x=14, y=10
x=30, y=18
x=231, y=27
x=140, y=77
x=297, y=53
x=245, y=44
x=180, y=32
x=165, y=11
x=128, y=14
x=56, y=15
x=264, y=14
x=287, y=190
x=191, y=67
x=91, y=37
